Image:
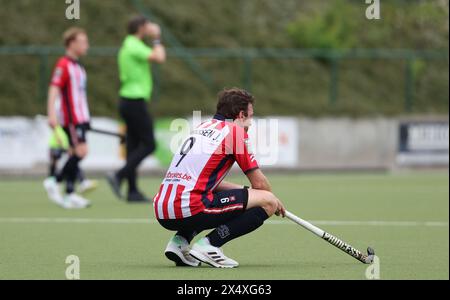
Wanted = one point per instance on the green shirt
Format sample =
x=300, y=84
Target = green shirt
x=134, y=69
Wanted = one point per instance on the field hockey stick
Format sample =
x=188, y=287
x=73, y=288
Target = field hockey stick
x=367, y=259
x=110, y=133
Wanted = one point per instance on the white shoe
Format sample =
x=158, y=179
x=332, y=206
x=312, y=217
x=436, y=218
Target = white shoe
x=213, y=256
x=74, y=201
x=53, y=191
x=87, y=186
x=177, y=250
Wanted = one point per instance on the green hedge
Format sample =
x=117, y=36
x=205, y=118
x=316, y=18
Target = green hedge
x=282, y=86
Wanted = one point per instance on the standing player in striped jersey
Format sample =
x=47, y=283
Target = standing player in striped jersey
x=69, y=86
x=193, y=196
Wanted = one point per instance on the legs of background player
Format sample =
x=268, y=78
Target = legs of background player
x=132, y=145
x=59, y=143
x=50, y=183
x=69, y=173
x=86, y=185
x=140, y=144
x=70, y=170
x=132, y=183
x=80, y=152
x=55, y=155
x=80, y=176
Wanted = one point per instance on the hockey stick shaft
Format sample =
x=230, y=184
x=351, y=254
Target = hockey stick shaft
x=106, y=132
x=329, y=238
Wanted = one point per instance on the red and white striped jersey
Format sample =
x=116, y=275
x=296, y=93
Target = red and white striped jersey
x=199, y=166
x=70, y=76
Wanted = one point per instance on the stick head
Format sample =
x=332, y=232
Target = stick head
x=370, y=256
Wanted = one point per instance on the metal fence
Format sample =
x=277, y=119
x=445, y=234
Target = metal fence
x=247, y=56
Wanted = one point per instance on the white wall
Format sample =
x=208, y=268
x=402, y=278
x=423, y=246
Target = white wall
x=311, y=144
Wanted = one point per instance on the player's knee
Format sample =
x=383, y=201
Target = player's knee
x=150, y=146
x=151, y=149
x=269, y=203
x=81, y=150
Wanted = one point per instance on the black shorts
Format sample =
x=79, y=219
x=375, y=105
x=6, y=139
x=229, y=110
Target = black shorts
x=227, y=205
x=76, y=134
x=57, y=153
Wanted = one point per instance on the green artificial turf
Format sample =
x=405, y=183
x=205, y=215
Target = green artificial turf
x=114, y=240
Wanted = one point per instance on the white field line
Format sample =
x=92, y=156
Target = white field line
x=31, y=220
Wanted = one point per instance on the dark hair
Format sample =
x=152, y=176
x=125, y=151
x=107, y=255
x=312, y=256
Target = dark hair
x=135, y=23
x=71, y=34
x=232, y=101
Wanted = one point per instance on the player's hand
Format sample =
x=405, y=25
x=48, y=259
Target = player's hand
x=59, y=141
x=281, y=211
x=154, y=30
x=52, y=121
x=58, y=138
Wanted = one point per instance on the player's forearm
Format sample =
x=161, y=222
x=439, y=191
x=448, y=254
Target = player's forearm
x=262, y=185
x=259, y=181
x=53, y=94
x=158, y=54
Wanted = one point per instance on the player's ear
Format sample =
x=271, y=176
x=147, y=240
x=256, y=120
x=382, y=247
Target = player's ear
x=241, y=114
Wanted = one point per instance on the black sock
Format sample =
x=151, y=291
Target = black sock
x=52, y=168
x=245, y=223
x=188, y=235
x=61, y=175
x=80, y=175
x=70, y=187
x=70, y=172
x=54, y=158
